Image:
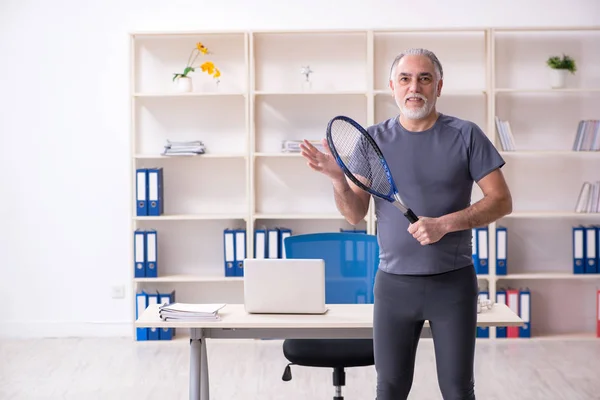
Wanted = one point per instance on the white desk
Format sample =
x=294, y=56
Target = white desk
x=341, y=321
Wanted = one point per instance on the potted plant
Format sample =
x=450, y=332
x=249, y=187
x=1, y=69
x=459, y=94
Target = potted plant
x=559, y=67
x=184, y=82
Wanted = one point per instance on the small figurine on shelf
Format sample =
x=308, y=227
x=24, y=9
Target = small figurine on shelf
x=306, y=83
x=559, y=68
x=184, y=82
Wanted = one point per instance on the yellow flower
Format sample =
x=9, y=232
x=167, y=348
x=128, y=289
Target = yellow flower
x=208, y=66
x=217, y=73
x=201, y=48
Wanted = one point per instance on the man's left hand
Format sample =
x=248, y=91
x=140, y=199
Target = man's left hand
x=427, y=230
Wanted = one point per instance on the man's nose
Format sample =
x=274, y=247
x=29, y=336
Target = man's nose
x=414, y=85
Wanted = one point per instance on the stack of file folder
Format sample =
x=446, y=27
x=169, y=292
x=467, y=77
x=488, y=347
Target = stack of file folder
x=234, y=246
x=480, y=250
x=190, y=312
x=145, y=257
x=144, y=300
x=189, y=148
x=519, y=301
x=269, y=242
x=585, y=243
x=149, y=191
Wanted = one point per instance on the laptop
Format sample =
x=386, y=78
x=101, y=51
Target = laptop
x=284, y=286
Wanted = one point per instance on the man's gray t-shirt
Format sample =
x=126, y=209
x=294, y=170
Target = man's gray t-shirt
x=434, y=171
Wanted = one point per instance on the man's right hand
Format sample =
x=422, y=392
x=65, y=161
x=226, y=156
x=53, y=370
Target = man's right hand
x=321, y=162
x=351, y=201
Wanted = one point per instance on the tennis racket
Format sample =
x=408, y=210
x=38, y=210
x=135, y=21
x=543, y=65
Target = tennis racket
x=357, y=154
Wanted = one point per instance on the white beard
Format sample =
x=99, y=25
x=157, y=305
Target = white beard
x=415, y=113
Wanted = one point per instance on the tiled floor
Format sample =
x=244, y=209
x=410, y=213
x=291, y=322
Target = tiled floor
x=119, y=368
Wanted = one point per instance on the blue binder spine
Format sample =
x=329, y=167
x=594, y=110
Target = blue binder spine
x=139, y=253
x=578, y=250
x=260, y=243
x=140, y=305
x=141, y=192
x=272, y=243
x=153, y=332
x=166, y=333
x=155, y=191
x=283, y=234
x=483, y=332
x=591, y=250
x=240, y=251
x=525, y=312
x=229, y=252
x=501, y=299
x=597, y=227
x=501, y=250
x=474, y=246
x=482, y=250
x=151, y=253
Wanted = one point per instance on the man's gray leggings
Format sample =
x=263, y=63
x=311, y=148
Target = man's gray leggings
x=402, y=304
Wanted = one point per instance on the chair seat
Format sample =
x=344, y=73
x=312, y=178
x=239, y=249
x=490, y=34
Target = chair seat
x=329, y=353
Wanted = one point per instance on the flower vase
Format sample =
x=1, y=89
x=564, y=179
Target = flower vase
x=558, y=78
x=306, y=85
x=184, y=84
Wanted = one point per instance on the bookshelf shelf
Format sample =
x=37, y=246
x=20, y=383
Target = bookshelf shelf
x=549, y=275
x=186, y=157
x=311, y=93
x=551, y=214
x=293, y=155
x=569, y=336
x=190, y=217
x=298, y=216
x=189, y=279
x=244, y=181
x=192, y=95
x=548, y=90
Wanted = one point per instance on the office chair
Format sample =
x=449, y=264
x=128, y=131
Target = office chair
x=351, y=261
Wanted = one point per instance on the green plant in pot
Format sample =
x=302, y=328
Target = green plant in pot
x=559, y=68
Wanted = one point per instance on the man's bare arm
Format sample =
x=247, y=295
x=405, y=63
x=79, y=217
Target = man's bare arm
x=496, y=203
x=351, y=201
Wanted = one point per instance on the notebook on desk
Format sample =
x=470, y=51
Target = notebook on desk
x=284, y=286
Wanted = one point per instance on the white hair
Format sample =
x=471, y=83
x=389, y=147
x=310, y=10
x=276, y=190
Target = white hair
x=439, y=71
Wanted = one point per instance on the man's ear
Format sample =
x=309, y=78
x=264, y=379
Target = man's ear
x=439, y=87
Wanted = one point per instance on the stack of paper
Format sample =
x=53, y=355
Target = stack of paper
x=190, y=148
x=190, y=312
x=293, y=146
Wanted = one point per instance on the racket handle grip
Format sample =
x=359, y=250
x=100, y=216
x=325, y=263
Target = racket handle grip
x=410, y=215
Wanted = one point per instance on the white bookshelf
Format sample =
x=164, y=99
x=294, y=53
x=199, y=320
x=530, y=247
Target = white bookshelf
x=544, y=174
x=245, y=181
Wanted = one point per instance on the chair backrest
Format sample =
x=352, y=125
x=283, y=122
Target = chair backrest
x=351, y=262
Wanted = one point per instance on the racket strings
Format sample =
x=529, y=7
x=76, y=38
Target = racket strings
x=360, y=157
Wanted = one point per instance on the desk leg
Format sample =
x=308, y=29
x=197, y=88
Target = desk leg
x=204, y=385
x=198, y=367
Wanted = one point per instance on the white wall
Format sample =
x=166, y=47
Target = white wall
x=64, y=128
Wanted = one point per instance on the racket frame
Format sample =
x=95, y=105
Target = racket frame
x=394, y=197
